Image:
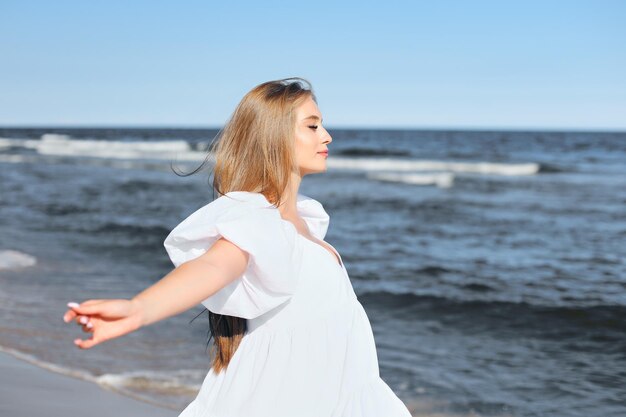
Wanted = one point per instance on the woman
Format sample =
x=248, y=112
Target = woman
x=291, y=339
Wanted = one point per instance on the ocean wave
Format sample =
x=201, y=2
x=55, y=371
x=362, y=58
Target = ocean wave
x=442, y=180
x=6, y=143
x=170, y=382
x=12, y=259
x=596, y=321
x=52, y=144
x=402, y=165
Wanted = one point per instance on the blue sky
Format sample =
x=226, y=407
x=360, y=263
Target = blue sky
x=436, y=64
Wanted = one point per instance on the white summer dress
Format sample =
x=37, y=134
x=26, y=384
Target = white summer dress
x=309, y=349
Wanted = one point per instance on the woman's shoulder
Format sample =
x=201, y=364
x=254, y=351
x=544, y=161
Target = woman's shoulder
x=247, y=218
x=242, y=198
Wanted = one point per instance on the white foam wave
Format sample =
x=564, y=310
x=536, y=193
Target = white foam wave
x=391, y=164
x=443, y=180
x=18, y=143
x=62, y=145
x=55, y=136
x=12, y=259
x=177, y=382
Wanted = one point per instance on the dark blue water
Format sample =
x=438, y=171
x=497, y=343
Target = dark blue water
x=491, y=264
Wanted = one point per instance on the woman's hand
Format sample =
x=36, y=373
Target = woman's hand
x=178, y=291
x=105, y=319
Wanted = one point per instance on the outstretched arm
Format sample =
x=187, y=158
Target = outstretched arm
x=178, y=291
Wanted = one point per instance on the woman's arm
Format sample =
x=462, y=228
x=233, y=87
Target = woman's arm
x=178, y=291
x=191, y=282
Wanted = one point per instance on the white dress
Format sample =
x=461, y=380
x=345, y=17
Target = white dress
x=309, y=350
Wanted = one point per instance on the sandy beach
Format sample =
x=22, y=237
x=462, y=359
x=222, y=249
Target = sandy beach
x=27, y=390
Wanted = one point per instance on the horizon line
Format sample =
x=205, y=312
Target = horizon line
x=335, y=127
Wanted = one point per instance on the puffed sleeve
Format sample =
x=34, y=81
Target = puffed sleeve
x=249, y=221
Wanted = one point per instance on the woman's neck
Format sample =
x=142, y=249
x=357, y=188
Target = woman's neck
x=289, y=205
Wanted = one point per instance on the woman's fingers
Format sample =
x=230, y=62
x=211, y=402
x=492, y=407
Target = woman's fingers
x=69, y=315
x=84, y=321
x=104, y=319
x=109, y=308
x=87, y=323
x=87, y=343
x=88, y=307
x=96, y=336
x=100, y=332
x=80, y=312
x=72, y=313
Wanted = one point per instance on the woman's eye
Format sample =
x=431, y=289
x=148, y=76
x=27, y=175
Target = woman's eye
x=313, y=127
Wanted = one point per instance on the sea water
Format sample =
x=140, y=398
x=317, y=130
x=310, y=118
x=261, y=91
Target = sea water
x=491, y=264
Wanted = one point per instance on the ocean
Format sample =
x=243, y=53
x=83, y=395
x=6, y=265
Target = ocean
x=491, y=264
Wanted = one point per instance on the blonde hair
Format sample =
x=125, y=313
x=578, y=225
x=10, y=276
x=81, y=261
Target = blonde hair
x=254, y=152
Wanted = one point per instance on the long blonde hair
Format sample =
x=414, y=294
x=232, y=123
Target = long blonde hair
x=254, y=152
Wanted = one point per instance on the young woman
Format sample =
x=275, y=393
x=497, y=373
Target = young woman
x=291, y=338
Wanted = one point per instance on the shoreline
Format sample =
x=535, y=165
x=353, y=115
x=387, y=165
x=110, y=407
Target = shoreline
x=27, y=390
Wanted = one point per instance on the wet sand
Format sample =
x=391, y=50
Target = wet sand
x=27, y=390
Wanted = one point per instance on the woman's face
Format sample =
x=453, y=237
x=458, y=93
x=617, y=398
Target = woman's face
x=311, y=139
